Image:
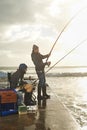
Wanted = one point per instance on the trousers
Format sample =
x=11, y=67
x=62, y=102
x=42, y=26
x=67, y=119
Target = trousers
x=42, y=83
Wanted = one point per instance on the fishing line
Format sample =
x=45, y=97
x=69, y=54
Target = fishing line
x=66, y=55
x=58, y=39
x=63, y=57
x=73, y=17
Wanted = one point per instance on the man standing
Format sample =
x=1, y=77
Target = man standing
x=37, y=59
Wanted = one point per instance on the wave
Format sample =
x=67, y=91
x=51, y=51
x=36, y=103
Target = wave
x=64, y=74
x=74, y=74
x=3, y=74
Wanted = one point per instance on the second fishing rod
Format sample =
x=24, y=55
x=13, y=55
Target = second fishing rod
x=66, y=25
x=63, y=31
x=73, y=49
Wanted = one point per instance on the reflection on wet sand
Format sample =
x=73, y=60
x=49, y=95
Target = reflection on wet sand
x=40, y=123
x=30, y=121
x=16, y=122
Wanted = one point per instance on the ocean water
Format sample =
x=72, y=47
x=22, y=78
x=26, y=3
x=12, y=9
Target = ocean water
x=68, y=83
x=72, y=91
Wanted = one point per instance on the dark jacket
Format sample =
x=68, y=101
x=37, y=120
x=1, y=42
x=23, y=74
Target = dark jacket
x=17, y=79
x=37, y=59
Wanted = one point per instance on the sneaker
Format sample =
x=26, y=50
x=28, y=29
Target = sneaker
x=30, y=103
x=40, y=97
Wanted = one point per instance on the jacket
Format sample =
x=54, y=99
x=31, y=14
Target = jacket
x=37, y=59
x=17, y=79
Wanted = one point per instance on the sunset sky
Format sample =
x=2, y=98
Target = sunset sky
x=27, y=22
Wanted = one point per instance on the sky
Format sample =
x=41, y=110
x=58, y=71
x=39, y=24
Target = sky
x=24, y=23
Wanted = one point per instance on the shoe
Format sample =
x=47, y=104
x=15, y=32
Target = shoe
x=40, y=97
x=47, y=96
x=30, y=103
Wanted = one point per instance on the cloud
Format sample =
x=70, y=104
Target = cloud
x=25, y=22
x=32, y=11
x=17, y=11
x=20, y=11
x=53, y=13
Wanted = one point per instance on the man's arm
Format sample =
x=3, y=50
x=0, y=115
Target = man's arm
x=45, y=56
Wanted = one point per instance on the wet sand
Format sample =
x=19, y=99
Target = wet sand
x=51, y=115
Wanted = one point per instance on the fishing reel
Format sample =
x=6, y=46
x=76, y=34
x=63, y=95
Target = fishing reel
x=48, y=63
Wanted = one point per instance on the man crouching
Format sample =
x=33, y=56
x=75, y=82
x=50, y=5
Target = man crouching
x=17, y=83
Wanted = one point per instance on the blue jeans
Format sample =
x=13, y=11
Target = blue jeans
x=42, y=83
x=42, y=80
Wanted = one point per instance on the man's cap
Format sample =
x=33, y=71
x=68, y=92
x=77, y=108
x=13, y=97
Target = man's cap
x=22, y=66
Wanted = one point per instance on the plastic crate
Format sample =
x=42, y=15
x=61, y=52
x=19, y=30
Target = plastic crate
x=8, y=102
x=8, y=96
x=22, y=110
x=10, y=112
x=8, y=109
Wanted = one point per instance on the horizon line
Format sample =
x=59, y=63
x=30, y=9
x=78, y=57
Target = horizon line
x=72, y=66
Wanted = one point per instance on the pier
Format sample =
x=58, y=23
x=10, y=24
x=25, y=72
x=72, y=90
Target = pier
x=51, y=115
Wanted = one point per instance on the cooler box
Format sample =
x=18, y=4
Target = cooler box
x=8, y=102
x=8, y=96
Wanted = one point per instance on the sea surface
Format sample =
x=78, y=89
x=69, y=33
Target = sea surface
x=68, y=83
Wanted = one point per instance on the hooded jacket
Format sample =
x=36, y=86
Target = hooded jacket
x=37, y=59
x=17, y=77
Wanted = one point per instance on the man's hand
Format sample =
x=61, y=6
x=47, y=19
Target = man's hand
x=48, y=63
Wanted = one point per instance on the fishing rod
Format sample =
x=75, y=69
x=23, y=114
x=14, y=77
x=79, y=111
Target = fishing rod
x=66, y=55
x=58, y=39
x=62, y=58
x=64, y=29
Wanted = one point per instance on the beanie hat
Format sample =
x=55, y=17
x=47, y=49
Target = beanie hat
x=35, y=47
x=22, y=67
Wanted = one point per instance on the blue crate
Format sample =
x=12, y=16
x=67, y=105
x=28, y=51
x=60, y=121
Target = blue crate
x=8, y=109
x=10, y=112
x=8, y=106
